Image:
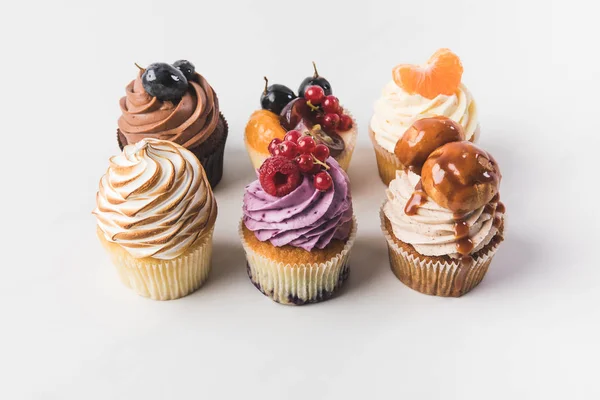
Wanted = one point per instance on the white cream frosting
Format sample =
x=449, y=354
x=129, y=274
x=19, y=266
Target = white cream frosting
x=431, y=230
x=396, y=110
x=154, y=200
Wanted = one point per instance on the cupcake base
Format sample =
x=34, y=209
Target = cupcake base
x=163, y=279
x=210, y=153
x=437, y=276
x=291, y=282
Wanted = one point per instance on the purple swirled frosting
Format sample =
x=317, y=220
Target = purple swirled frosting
x=305, y=218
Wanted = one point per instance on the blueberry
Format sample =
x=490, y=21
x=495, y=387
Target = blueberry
x=164, y=82
x=186, y=67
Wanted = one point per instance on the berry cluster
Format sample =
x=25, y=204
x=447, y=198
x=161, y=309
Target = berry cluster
x=296, y=154
x=329, y=114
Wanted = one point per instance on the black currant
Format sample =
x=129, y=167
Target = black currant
x=186, y=67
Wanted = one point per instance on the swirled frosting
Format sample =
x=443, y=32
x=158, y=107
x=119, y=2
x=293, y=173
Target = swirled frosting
x=431, y=230
x=187, y=123
x=396, y=111
x=154, y=200
x=306, y=218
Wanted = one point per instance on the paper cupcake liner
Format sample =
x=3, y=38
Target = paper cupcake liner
x=446, y=279
x=213, y=162
x=298, y=284
x=387, y=163
x=163, y=279
x=349, y=138
x=257, y=158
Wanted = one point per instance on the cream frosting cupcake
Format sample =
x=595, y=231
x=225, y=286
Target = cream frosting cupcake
x=403, y=102
x=155, y=217
x=443, y=226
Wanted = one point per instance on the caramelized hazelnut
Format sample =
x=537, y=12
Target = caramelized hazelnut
x=460, y=176
x=423, y=137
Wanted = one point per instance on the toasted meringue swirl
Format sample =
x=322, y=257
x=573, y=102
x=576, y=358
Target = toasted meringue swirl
x=187, y=123
x=155, y=200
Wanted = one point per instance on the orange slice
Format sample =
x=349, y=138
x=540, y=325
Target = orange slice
x=440, y=75
x=263, y=127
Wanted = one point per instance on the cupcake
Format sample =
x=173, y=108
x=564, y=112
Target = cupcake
x=173, y=102
x=298, y=228
x=315, y=113
x=155, y=218
x=415, y=92
x=442, y=219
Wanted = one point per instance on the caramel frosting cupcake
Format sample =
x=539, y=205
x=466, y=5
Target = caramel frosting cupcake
x=443, y=226
x=155, y=217
x=416, y=92
x=193, y=120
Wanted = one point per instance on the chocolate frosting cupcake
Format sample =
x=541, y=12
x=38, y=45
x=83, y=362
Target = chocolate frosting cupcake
x=194, y=122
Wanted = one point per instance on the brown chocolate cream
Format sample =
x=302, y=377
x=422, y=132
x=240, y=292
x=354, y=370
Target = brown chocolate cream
x=460, y=176
x=188, y=122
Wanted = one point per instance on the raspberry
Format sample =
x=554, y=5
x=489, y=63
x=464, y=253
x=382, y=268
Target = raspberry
x=279, y=176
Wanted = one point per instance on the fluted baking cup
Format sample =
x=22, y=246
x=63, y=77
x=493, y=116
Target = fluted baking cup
x=297, y=284
x=163, y=279
x=387, y=163
x=429, y=276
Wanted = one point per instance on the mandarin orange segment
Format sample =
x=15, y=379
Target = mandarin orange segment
x=263, y=127
x=440, y=75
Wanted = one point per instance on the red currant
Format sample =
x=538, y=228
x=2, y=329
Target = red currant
x=292, y=136
x=288, y=149
x=321, y=152
x=274, y=146
x=331, y=104
x=315, y=94
x=345, y=123
x=323, y=181
x=305, y=163
x=306, y=144
x=331, y=121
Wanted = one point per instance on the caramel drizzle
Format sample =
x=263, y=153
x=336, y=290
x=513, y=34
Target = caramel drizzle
x=416, y=200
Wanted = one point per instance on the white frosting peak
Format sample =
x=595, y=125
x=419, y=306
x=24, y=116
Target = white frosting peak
x=396, y=111
x=154, y=200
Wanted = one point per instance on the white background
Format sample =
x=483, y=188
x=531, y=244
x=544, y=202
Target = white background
x=70, y=330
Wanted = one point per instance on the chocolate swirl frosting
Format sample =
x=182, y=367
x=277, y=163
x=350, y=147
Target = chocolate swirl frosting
x=155, y=200
x=187, y=123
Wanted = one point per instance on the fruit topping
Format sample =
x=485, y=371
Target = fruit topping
x=274, y=146
x=262, y=128
x=314, y=94
x=294, y=113
x=275, y=97
x=288, y=149
x=345, y=123
x=331, y=105
x=423, y=137
x=306, y=144
x=440, y=75
x=330, y=122
x=321, y=152
x=164, y=82
x=305, y=163
x=323, y=181
x=293, y=136
x=279, y=176
x=460, y=176
x=187, y=68
x=333, y=141
x=314, y=80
